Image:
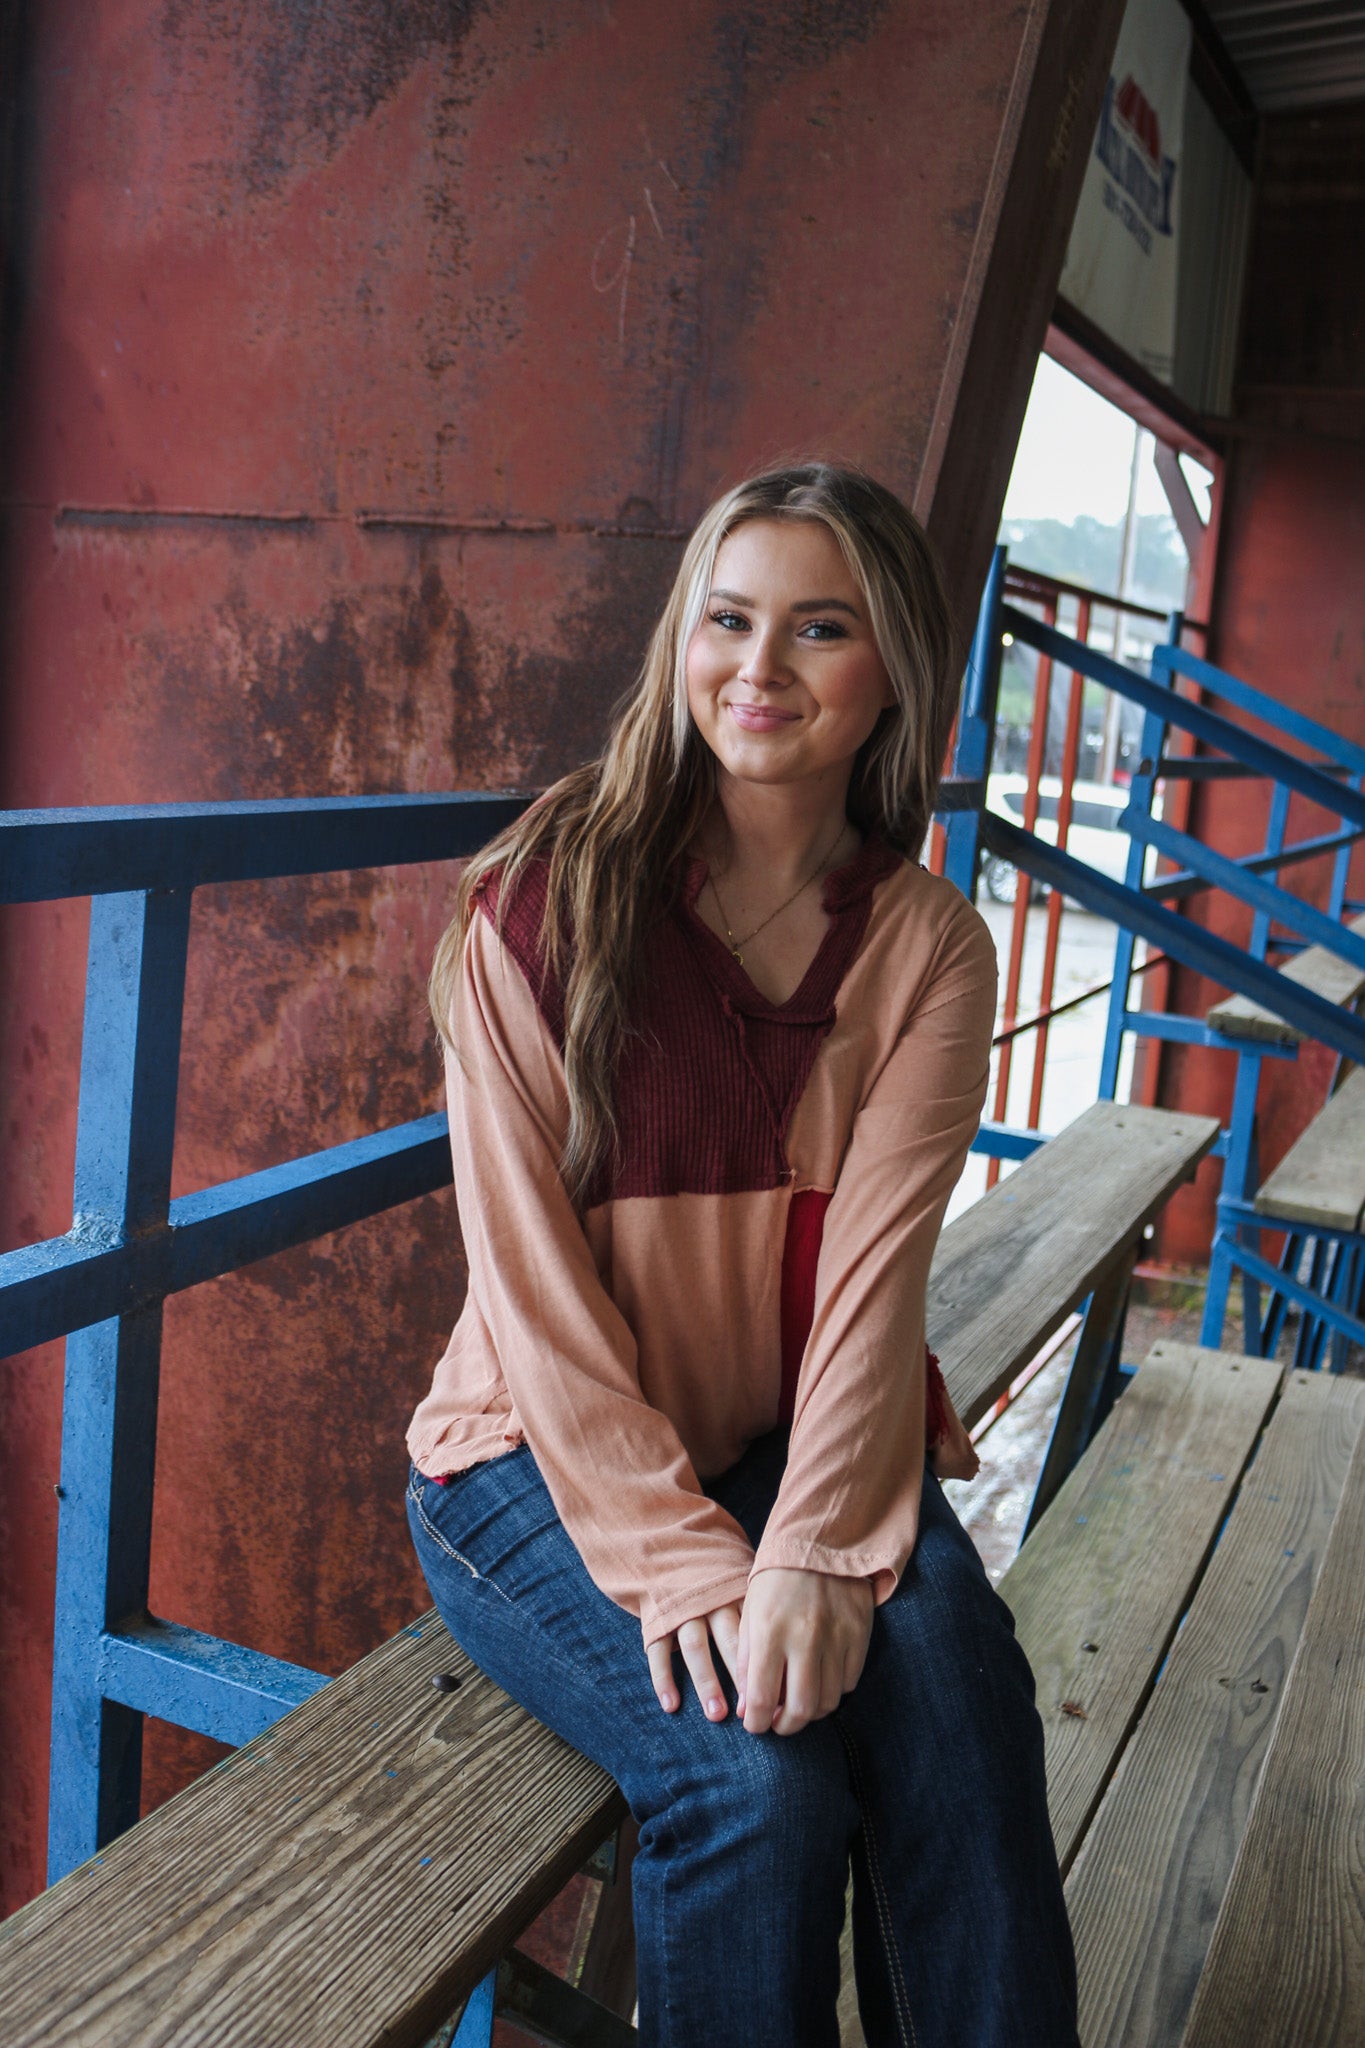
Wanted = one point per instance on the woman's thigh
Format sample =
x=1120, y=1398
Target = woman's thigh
x=517, y=1597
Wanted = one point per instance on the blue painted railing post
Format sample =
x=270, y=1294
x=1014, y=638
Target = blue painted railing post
x=130, y=1061
x=1152, y=746
x=1240, y=1168
x=476, y=2028
x=976, y=731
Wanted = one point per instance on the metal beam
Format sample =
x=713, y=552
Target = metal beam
x=130, y=1058
x=47, y=855
x=1272, y=709
x=1206, y=725
x=67, y=1283
x=1202, y=950
x=199, y=1681
x=1238, y=880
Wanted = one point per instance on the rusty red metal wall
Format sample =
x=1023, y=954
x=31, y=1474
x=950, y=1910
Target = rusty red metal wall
x=1289, y=611
x=363, y=365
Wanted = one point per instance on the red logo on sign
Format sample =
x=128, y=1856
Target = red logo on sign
x=1139, y=117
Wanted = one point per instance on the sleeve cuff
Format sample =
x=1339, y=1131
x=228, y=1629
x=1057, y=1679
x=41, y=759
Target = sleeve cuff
x=659, y=1617
x=792, y=1555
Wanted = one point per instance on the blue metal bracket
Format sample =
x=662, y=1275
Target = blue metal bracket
x=976, y=731
x=1232, y=876
x=103, y=1285
x=1005, y=1141
x=125, y=1131
x=200, y=1682
x=476, y=2027
x=63, y=1283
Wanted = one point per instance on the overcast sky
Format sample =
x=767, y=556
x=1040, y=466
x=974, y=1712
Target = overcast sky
x=1075, y=455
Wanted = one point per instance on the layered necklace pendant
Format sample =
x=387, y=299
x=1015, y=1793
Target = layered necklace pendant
x=736, y=954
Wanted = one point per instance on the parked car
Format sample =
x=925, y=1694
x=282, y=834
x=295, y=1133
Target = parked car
x=1092, y=836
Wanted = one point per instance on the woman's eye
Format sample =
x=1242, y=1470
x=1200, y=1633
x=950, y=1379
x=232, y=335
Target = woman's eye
x=733, y=622
x=824, y=629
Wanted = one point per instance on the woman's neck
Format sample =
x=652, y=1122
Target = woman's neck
x=782, y=832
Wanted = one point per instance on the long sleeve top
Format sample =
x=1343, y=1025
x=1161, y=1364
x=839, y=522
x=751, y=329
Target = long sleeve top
x=777, y=1191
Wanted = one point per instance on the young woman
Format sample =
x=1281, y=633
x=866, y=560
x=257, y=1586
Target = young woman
x=717, y=1047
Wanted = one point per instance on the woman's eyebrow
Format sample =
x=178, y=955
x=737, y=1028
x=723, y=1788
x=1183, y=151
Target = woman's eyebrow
x=810, y=604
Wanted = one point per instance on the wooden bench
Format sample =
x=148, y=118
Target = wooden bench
x=1203, y=1703
x=1318, y=1189
x=1324, y=973
x=353, y=1873
x=1209, y=1821
x=1321, y=1179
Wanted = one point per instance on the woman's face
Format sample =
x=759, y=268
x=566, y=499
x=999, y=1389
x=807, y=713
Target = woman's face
x=783, y=675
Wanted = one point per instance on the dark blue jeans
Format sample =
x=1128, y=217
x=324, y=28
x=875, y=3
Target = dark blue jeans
x=930, y=1775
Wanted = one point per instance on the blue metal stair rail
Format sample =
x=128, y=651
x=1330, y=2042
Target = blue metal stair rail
x=102, y=1286
x=1331, y=1298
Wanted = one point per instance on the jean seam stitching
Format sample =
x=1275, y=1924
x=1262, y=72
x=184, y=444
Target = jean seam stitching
x=904, y=2017
x=451, y=1552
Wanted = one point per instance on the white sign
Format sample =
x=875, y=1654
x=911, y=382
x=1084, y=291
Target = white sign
x=1121, y=262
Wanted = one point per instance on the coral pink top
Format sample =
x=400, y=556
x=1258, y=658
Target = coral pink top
x=779, y=1187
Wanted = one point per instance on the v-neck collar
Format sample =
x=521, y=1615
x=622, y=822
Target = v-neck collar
x=844, y=897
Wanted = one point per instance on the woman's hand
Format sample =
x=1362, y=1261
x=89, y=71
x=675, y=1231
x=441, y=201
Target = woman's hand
x=802, y=1645
x=694, y=1639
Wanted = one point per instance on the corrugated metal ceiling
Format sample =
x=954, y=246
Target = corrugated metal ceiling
x=1295, y=53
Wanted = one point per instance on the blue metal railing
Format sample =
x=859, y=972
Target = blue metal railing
x=102, y=1285
x=1331, y=1297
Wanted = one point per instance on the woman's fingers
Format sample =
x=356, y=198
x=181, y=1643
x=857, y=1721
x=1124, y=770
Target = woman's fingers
x=854, y=1658
x=694, y=1640
x=742, y=1663
x=805, y=1639
x=724, y=1624
x=660, y=1656
x=762, y=1682
x=801, y=1692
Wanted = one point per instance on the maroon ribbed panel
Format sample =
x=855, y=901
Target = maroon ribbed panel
x=800, y=1257
x=710, y=1078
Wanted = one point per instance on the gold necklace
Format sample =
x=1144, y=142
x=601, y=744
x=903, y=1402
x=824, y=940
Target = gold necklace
x=736, y=944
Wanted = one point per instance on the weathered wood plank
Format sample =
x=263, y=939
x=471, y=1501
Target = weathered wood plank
x=1151, y=1874
x=1321, y=1179
x=1325, y=973
x=1011, y=1269
x=1286, y=1965
x=1099, y=1587
x=347, y=1877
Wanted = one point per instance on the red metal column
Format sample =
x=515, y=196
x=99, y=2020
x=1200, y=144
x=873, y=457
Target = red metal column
x=1070, y=750
x=1037, y=747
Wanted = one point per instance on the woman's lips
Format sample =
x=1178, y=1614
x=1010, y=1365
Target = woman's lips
x=761, y=717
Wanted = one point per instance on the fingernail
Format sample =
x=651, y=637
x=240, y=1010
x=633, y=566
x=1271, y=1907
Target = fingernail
x=739, y=1706
x=714, y=1709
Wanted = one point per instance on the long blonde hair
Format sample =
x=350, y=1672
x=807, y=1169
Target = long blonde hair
x=614, y=829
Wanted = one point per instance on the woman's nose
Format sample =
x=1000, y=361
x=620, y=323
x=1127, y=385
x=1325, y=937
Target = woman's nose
x=763, y=662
